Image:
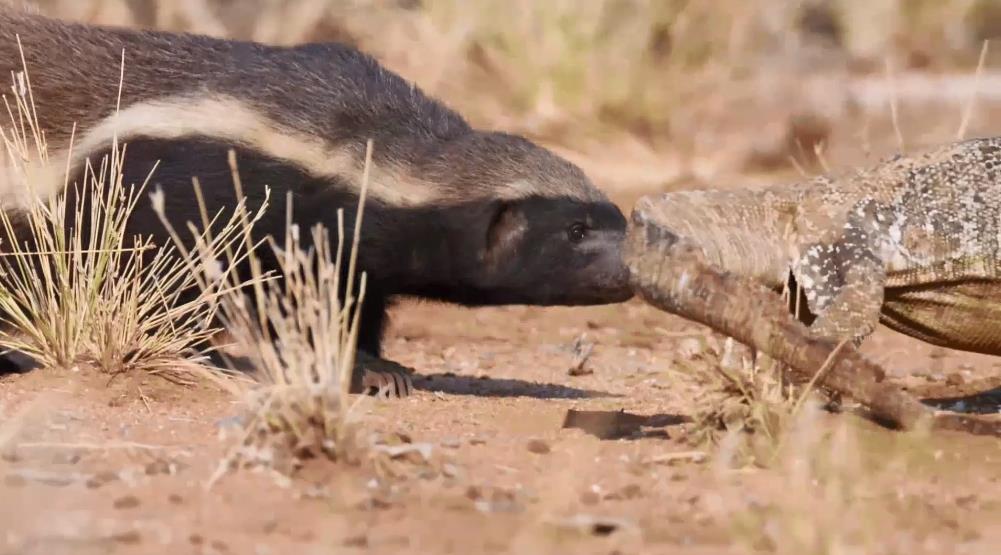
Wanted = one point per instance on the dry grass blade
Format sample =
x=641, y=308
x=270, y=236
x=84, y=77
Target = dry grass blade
x=891, y=81
x=964, y=123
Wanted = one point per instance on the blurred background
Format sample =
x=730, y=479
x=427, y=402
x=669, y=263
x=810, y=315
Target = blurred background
x=656, y=94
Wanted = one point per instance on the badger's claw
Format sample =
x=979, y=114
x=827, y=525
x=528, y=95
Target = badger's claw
x=381, y=377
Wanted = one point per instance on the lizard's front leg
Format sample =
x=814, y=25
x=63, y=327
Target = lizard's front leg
x=843, y=287
x=853, y=313
x=843, y=277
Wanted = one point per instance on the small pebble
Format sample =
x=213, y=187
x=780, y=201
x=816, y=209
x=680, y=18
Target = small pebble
x=581, y=370
x=357, y=541
x=127, y=502
x=632, y=491
x=131, y=537
x=538, y=446
x=449, y=470
x=101, y=478
x=158, y=467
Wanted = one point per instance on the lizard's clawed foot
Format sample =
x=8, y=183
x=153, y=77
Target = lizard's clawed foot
x=381, y=377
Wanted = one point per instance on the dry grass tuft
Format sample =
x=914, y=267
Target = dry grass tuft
x=844, y=485
x=745, y=402
x=741, y=401
x=74, y=286
x=296, y=333
x=830, y=506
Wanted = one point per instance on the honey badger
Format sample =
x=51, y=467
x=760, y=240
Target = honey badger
x=453, y=213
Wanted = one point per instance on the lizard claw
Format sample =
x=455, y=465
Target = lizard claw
x=382, y=378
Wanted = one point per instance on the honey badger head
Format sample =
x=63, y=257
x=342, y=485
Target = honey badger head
x=554, y=251
x=543, y=233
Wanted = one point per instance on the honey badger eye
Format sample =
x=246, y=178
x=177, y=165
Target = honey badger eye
x=576, y=232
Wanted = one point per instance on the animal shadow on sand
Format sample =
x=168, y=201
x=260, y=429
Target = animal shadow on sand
x=15, y=363
x=607, y=424
x=467, y=385
x=985, y=402
x=453, y=384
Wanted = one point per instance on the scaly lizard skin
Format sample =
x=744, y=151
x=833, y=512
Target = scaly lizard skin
x=914, y=242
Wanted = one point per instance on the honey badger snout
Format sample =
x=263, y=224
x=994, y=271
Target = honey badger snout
x=605, y=279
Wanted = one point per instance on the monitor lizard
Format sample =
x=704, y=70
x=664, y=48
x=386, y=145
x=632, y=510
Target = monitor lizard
x=913, y=242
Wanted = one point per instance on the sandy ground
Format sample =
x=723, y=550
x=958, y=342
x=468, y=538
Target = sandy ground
x=89, y=465
x=120, y=467
x=92, y=465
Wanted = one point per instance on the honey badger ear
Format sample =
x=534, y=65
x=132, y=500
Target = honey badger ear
x=507, y=227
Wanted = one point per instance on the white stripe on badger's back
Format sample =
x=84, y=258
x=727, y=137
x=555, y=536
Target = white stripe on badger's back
x=229, y=120
x=218, y=118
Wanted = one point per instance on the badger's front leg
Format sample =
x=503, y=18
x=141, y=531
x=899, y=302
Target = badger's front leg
x=378, y=376
x=373, y=374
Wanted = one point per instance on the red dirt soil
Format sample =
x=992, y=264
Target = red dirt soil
x=99, y=467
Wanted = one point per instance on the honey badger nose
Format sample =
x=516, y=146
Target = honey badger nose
x=606, y=277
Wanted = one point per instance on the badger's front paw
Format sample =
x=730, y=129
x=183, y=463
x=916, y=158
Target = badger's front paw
x=381, y=377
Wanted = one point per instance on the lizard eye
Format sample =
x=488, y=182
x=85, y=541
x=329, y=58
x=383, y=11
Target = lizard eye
x=576, y=232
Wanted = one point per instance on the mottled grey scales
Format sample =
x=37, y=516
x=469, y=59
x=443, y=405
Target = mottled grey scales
x=912, y=242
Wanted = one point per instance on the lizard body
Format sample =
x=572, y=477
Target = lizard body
x=914, y=242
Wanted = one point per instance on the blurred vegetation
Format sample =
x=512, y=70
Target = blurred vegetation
x=557, y=68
